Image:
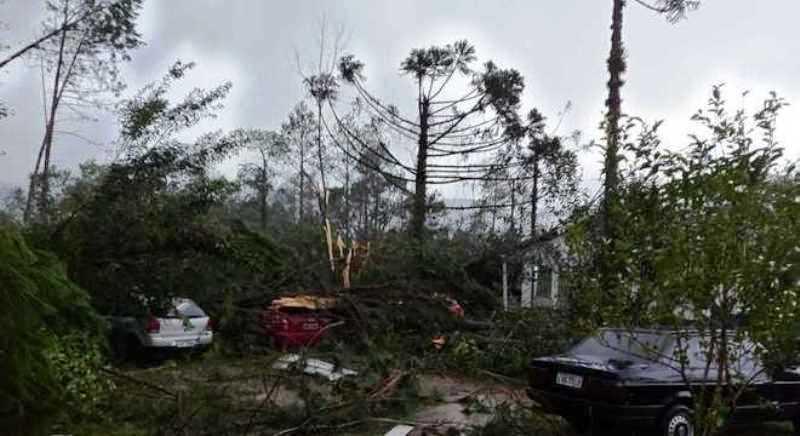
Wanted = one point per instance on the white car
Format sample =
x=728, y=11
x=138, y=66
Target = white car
x=184, y=326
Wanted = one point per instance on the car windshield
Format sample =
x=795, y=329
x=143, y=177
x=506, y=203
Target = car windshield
x=623, y=345
x=187, y=309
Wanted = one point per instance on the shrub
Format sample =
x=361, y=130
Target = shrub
x=39, y=308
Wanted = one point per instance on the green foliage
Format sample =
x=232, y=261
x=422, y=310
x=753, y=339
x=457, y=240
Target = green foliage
x=40, y=307
x=97, y=36
x=470, y=127
x=710, y=243
x=76, y=359
x=514, y=339
x=151, y=223
x=437, y=265
x=675, y=10
x=148, y=118
x=439, y=61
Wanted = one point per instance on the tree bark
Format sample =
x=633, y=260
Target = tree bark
x=323, y=201
x=29, y=47
x=376, y=207
x=419, y=208
x=616, y=67
x=264, y=191
x=35, y=44
x=302, y=180
x=347, y=226
x=535, y=197
x=513, y=214
x=47, y=141
x=32, y=184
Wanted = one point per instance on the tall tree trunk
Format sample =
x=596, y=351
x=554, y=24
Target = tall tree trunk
x=513, y=223
x=616, y=67
x=493, y=211
x=44, y=193
x=419, y=207
x=535, y=197
x=534, y=222
x=364, y=233
x=47, y=141
x=263, y=191
x=347, y=226
x=32, y=185
x=607, y=261
x=323, y=201
x=301, y=203
x=376, y=207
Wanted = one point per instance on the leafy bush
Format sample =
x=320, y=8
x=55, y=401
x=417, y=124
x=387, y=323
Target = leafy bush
x=709, y=248
x=515, y=338
x=75, y=360
x=39, y=307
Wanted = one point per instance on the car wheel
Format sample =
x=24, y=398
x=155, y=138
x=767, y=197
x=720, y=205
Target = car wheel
x=678, y=422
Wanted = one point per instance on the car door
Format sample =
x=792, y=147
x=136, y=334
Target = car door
x=751, y=384
x=758, y=400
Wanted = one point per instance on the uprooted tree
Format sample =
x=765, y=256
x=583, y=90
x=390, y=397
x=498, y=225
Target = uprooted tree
x=710, y=249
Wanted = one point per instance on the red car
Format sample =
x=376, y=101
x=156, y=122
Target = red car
x=297, y=321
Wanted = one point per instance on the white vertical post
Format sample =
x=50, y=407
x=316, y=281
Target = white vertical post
x=554, y=286
x=505, y=287
x=526, y=299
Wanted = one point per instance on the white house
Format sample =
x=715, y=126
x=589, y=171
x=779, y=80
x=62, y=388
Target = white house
x=540, y=281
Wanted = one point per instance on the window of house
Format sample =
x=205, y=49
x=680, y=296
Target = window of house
x=544, y=282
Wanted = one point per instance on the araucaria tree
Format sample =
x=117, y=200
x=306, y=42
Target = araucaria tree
x=460, y=114
x=536, y=175
x=674, y=10
x=83, y=56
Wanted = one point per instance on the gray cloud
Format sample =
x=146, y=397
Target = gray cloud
x=560, y=48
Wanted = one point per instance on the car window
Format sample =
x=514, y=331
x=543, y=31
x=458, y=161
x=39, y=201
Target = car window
x=187, y=309
x=623, y=345
x=742, y=354
x=696, y=353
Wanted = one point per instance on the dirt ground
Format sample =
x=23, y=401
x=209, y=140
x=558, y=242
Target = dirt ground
x=446, y=403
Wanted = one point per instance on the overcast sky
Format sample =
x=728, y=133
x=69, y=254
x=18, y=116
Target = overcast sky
x=560, y=47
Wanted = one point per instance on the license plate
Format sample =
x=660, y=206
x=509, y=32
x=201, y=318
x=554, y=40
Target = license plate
x=571, y=380
x=310, y=326
x=185, y=344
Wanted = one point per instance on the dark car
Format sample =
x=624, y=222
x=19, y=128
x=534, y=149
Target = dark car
x=624, y=379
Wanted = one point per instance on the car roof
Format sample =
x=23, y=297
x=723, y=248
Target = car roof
x=650, y=330
x=658, y=330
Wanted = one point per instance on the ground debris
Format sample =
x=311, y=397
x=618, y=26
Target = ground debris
x=312, y=366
